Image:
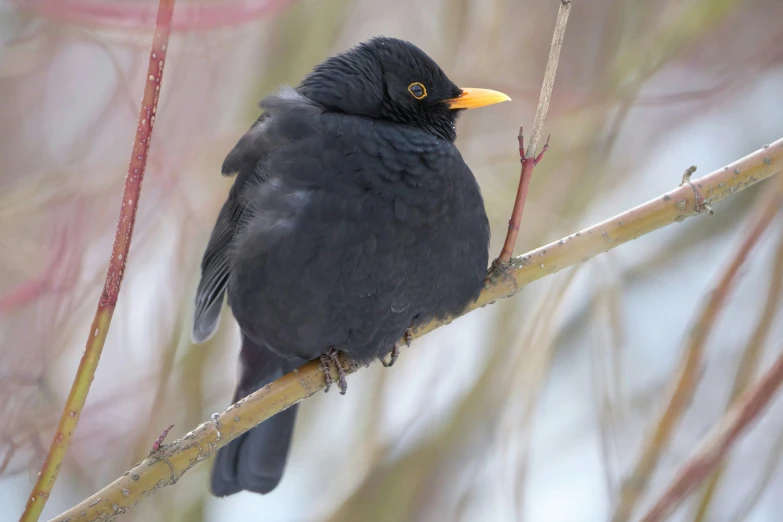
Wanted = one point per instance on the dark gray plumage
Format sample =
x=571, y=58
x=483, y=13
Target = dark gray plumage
x=352, y=217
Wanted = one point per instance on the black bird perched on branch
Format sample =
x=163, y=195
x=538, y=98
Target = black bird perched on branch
x=352, y=218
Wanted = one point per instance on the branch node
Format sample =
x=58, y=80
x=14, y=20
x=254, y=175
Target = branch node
x=501, y=270
x=201, y=453
x=215, y=417
x=162, y=456
x=521, y=140
x=157, y=444
x=543, y=150
x=700, y=204
x=686, y=176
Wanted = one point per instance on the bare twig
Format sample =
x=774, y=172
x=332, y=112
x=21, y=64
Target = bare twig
x=715, y=447
x=549, y=76
x=686, y=176
x=153, y=473
x=526, y=174
x=748, y=364
x=687, y=377
x=771, y=464
x=529, y=158
x=529, y=372
x=606, y=363
x=108, y=300
x=156, y=445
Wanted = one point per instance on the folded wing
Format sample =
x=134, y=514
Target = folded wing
x=288, y=117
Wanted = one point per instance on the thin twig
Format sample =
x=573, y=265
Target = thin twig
x=156, y=445
x=152, y=474
x=771, y=464
x=549, y=76
x=529, y=158
x=525, y=175
x=606, y=362
x=108, y=300
x=748, y=364
x=716, y=446
x=687, y=377
x=530, y=370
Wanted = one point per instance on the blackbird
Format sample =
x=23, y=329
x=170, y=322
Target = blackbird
x=353, y=218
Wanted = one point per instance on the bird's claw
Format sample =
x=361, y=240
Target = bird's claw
x=327, y=371
x=332, y=356
x=395, y=354
x=395, y=351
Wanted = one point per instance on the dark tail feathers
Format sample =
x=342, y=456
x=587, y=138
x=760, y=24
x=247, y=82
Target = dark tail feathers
x=255, y=461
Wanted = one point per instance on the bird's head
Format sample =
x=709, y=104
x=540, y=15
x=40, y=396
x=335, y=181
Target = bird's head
x=391, y=79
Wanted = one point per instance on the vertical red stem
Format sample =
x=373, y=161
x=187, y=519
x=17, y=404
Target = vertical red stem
x=528, y=164
x=122, y=239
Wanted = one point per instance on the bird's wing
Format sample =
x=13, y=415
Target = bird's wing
x=215, y=270
x=288, y=117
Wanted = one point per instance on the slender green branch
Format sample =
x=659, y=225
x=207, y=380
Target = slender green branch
x=168, y=465
x=96, y=337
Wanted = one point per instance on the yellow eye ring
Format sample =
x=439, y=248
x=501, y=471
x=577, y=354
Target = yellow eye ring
x=417, y=90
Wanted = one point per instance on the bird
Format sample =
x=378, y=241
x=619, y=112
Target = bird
x=352, y=219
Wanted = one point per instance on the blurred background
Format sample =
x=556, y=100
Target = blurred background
x=532, y=409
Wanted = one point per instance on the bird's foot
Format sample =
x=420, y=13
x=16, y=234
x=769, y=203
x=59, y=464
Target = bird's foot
x=501, y=270
x=395, y=354
x=332, y=356
x=395, y=351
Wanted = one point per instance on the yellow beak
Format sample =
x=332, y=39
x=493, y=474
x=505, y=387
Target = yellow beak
x=474, y=98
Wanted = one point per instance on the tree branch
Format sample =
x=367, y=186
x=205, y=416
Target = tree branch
x=687, y=378
x=529, y=158
x=715, y=446
x=173, y=460
x=549, y=76
x=96, y=337
x=747, y=367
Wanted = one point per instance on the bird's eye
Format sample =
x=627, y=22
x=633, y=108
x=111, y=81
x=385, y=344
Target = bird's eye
x=417, y=90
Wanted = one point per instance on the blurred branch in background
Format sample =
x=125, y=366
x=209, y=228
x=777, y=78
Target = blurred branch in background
x=685, y=382
x=138, y=13
x=749, y=362
x=96, y=337
x=716, y=446
x=770, y=465
x=175, y=459
x=529, y=371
